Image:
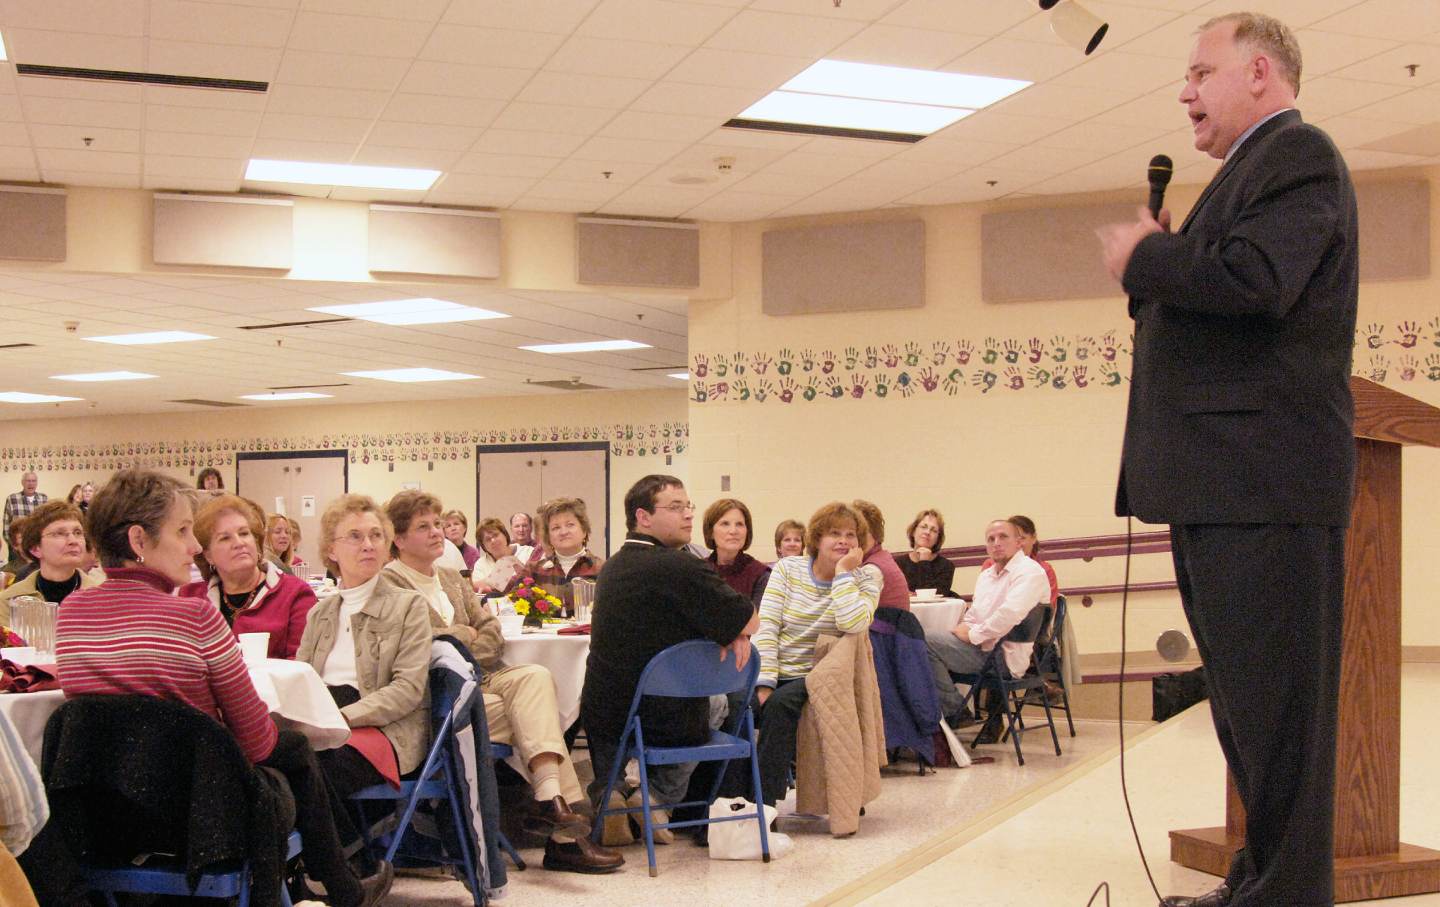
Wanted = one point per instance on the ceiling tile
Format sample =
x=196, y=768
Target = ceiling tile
x=1010, y=59
x=341, y=70
x=708, y=100
x=544, y=144
x=1416, y=107
x=169, y=96
x=992, y=126
x=552, y=118
x=1126, y=21
x=633, y=151
x=434, y=109
x=783, y=185
x=81, y=113
x=423, y=135
x=594, y=191
x=1107, y=138
x=1324, y=52
x=73, y=137
x=330, y=33
x=388, y=156
x=1295, y=13
x=496, y=46
x=549, y=87
x=1330, y=96
x=1399, y=20
x=55, y=48
x=621, y=173
x=424, y=10
x=313, y=128
x=504, y=164
x=752, y=139
x=658, y=20
x=1391, y=66
x=555, y=16
x=462, y=81
x=1049, y=161
x=106, y=17
x=12, y=157
x=92, y=178
x=967, y=153
x=612, y=57
x=335, y=102
x=894, y=45
x=218, y=23
x=777, y=33
x=737, y=69
x=737, y=206
x=971, y=17
x=671, y=127
x=214, y=61
x=295, y=150
x=655, y=201
x=1352, y=132
x=1068, y=102
x=198, y=167
x=110, y=92
x=1139, y=74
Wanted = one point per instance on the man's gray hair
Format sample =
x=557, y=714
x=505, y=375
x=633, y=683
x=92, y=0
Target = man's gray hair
x=1269, y=36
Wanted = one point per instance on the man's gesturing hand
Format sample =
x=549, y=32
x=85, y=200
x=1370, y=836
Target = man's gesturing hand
x=1118, y=241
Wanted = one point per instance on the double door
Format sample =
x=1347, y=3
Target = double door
x=298, y=484
x=513, y=478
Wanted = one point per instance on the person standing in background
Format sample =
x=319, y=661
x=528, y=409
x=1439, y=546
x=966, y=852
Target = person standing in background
x=23, y=502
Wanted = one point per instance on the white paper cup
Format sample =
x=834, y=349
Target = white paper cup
x=511, y=624
x=254, y=647
x=924, y=593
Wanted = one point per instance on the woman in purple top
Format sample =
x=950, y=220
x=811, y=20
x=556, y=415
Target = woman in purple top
x=456, y=528
x=896, y=592
x=728, y=531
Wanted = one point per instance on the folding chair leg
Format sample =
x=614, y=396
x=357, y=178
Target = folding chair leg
x=461, y=835
x=759, y=794
x=509, y=849
x=1065, y=697
x=645, y=814
x=1050, y=718
x=1010, y=719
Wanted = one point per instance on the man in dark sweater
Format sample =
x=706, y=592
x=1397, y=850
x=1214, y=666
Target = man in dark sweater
x=651, y=595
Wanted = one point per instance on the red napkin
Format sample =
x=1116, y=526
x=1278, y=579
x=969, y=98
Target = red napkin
x=576, y=630
x=372, y=743
x=16, y=678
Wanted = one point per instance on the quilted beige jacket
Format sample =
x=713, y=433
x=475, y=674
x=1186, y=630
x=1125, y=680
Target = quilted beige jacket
x=841, y=742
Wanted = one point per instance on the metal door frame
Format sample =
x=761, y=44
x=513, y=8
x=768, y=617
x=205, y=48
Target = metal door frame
x=559, y=446
x=344, y=456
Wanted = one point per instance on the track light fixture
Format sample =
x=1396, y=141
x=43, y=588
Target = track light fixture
x=1075, y=25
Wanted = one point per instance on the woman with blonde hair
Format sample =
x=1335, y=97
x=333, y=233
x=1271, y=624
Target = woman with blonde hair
x=282, y=543
x=565, y=533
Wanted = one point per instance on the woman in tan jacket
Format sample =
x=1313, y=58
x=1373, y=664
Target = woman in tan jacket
x=520, y=701
x=371, y=646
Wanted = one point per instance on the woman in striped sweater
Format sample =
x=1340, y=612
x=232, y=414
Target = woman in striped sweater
x=131, y=635
x=825, y=590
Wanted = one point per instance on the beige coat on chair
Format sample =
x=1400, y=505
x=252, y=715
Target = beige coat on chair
x=840, y=746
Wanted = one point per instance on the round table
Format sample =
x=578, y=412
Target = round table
x=938, y=615
x=564, y=656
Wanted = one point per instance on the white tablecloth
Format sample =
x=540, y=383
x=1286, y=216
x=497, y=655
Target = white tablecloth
x=296, y=696
x=563, y=655
x=938, y=616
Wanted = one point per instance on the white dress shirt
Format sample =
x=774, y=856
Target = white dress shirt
x=1003, y=598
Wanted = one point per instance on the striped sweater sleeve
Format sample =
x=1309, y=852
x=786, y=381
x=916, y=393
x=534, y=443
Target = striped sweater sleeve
x=854, y=597
x=772, y=607
x=240, y=706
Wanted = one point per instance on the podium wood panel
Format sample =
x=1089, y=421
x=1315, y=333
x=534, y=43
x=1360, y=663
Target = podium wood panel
x=1371, y=862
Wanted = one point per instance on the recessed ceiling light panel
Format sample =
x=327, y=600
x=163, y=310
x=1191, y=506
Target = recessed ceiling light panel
x=361, y=176
x=23, y=397
x=589, y=346
x=410, y=311
x=410, y=375
x=852, y=113
x=844, y=79
x=103, y=376
x=149, y=337
x=683, y=376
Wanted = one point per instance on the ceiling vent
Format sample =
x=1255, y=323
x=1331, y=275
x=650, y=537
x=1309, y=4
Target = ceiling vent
x=218, y=404
x=307, y=387
x=566, y=384
x=139, y=78
x=876, y=135
x=14, y=346
x=293, y=324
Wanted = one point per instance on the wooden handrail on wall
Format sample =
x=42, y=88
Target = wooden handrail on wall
x=1085, y=548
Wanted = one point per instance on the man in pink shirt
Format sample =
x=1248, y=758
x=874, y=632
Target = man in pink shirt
x=1005, y=594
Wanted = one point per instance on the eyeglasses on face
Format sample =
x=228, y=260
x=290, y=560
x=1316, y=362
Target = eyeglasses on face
x=678, y=507
x=64, y=534
x=355, y=537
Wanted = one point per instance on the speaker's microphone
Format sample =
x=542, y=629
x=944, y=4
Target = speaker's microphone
x=1161, y=169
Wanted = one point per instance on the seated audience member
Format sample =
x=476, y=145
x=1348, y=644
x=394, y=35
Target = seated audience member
x=130, y=635
x=565, y=532
x=924, y=566
x=456, y=526
x=76, y=497
x=210, y=479
x=19, y=565
x=525, y=546
x=895, y=593
x=1030, y=544
x=728, y=531
x=789, y=539
x=497, y=567
x=282, y=543
x=1005, y=593
x=826, y=590
x=520, y=704
x=250, y=593
x=54, y=535
x=653, y=595
x=87, y=492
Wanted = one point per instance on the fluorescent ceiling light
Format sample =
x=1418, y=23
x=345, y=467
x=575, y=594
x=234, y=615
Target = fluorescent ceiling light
x=151, y=337
x=589, y=346
x=288, y=395
x=22, y=397
x=852, y=113
x=2, y=49
x=413, y=374
x=359, y=175
x=103, y=376
x=683, y=376
x=895, y=83
x=410, y=311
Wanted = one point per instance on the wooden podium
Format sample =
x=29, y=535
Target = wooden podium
x=1370, y=860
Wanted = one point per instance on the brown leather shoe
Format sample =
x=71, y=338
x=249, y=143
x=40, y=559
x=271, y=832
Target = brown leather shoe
x=1217, y=898
x=554, y=815
x=375, y=887
x=581, y=855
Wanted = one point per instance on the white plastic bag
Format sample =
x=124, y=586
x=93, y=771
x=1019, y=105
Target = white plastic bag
x=741, y=840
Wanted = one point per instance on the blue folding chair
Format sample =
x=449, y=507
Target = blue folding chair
x=437, y=781
x=220, y=882
x=500, y=752
x=689, y=670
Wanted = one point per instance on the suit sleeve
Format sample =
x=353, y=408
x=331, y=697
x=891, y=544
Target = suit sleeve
x=1262, y=263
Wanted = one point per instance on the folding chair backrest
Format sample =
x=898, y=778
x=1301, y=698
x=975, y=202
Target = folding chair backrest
x=693, y=668
x=1029, y=628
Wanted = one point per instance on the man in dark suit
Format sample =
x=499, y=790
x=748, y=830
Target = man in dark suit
x=1239, y=436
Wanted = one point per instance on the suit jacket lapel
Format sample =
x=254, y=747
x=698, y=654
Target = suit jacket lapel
x=1273, y=123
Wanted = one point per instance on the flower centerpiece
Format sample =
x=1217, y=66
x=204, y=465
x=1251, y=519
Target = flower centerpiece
x=534, y=603
x=9, y=638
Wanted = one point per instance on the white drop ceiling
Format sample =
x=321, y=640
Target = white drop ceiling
x=595, y=106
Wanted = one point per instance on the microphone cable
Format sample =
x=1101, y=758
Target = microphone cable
x=1124, y=787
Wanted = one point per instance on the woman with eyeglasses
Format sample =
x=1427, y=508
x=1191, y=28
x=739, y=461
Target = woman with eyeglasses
x=54, y=535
